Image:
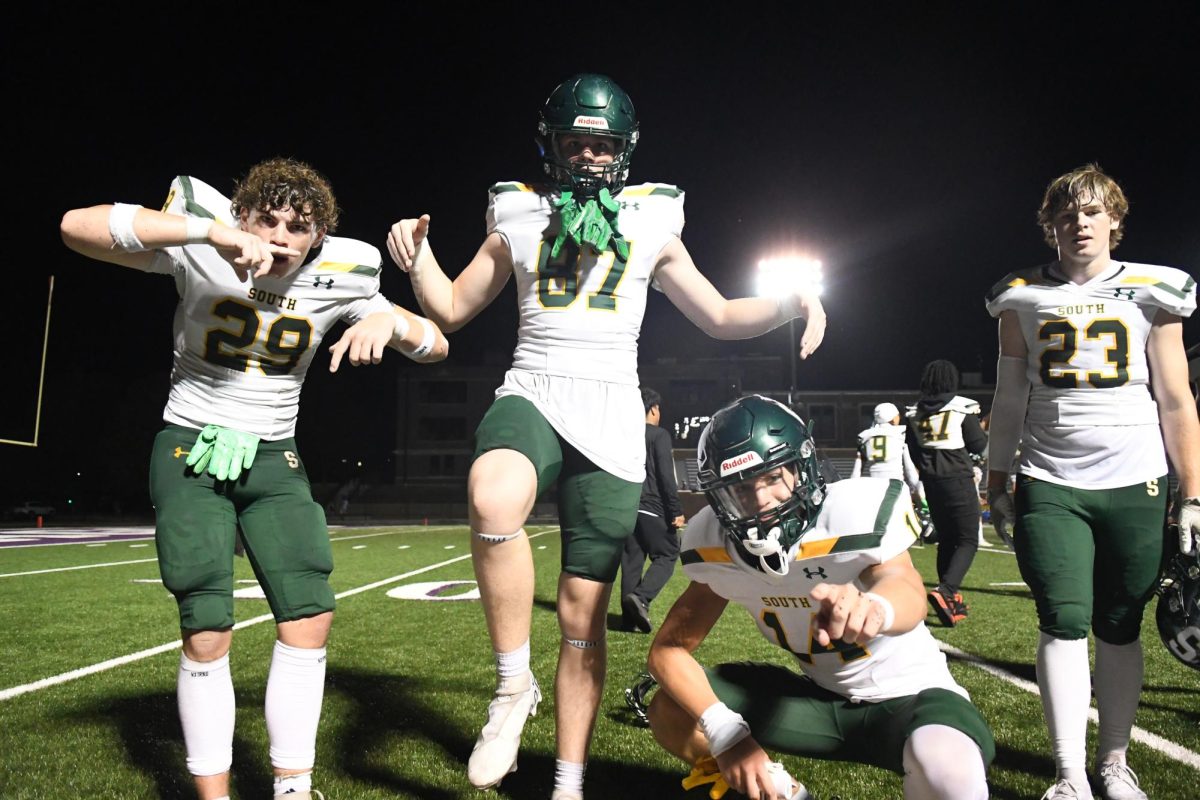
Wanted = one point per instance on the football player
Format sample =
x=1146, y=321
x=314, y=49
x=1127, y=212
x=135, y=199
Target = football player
x=260, y=281
x=1091, y=382
x=584, y=249
x=943, y=435
x=825, y=574
x=883, y=452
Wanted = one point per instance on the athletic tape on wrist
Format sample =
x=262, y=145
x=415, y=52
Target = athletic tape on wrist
x=889, y=611
x=120, y=228
x=428, y=336
x=402, y=325
x=197, y=230
x=723, y=727
x=789, y=307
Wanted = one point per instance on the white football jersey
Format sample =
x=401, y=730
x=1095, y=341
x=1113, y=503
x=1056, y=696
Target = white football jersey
x=242, y=349
x=883, y=453
x=1092, y=421
x=861, y=523
x=580, y=318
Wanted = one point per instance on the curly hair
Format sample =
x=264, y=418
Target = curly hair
x=1086, y=183
x=280, y=183
x=939, y=377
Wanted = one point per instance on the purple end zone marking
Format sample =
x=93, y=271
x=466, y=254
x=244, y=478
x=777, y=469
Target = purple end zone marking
x=32, y=537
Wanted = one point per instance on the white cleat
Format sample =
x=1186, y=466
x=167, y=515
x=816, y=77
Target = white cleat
x=566, y=794
x=495, y=753
x=1118, y=782
x=1063, y=789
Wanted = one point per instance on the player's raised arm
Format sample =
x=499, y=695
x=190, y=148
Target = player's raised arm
x=451, y=304
x=742, y=318
x=128, y=234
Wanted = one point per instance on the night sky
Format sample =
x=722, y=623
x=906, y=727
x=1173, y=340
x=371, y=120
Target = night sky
x=906, y=149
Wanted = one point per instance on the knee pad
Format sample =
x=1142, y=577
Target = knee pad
x=584, y=644
x=497, y=538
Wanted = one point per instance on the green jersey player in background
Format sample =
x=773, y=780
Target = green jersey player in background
x=1091, y=382
x=825, y=573
x=584, y=249
x=260, y=282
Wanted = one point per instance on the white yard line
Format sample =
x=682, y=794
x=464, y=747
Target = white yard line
x=144, y=560
x=104, y=666
x=1154, y=742
x=82, y=566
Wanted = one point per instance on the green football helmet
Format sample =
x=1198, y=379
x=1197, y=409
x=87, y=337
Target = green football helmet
x=750, y=438
x=587, y=104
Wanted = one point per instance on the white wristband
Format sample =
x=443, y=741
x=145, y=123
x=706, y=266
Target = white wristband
x=197, y=230
x=889, y=611
x=428, y=337
x=402, y=326
x=723, y=727
x=120, y=228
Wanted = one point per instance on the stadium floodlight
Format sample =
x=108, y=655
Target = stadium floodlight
x=784, y=275
x=787, y=274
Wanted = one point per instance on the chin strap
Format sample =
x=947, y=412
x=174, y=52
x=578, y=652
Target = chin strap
x=592, y=223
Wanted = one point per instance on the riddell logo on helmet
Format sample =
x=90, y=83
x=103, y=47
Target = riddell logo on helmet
x=739, y=463
x=590, y=122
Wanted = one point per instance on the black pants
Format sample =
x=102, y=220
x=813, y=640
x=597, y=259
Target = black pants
x=651, y=537
x=954, y=507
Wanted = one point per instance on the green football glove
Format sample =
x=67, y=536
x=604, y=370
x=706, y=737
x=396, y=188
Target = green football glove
x=222, y=452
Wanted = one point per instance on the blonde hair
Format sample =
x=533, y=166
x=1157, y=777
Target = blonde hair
x=286, y=183
x=1076, y=187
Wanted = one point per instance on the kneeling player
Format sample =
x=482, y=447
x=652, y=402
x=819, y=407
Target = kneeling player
x=825, y=573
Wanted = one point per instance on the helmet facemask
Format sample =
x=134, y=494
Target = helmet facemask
x=769, y=536
x=584, y=180
x=745, y=452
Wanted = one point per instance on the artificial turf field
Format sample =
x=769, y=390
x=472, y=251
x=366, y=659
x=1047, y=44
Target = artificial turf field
x=408, y=681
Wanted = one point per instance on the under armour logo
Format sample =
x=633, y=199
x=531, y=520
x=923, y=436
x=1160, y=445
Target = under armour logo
x=811, y=574
x=1125, y=293
x=328, y=282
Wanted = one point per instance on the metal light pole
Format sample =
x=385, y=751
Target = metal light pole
x=794, y=347
x=780, y=277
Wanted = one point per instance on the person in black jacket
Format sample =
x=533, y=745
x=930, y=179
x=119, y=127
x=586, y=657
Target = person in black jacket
x=943, y=432
x=659, y=517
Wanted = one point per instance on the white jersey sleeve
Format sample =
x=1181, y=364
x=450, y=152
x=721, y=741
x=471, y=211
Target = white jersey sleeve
x=580, y=318
x=242, y=349
x=862, y=523
x=1091, y=420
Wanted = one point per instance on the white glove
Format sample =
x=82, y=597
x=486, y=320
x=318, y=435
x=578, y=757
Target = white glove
x=1189, y=524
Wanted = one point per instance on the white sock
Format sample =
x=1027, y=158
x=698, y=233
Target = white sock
x=568, y=775
x=1064, y=679
x=510, y=665
x=286, y=784
x=943, y=763
x=1119, y=672
x=206, y=711
x=295, y=688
